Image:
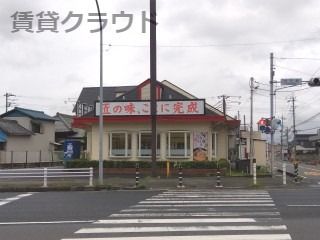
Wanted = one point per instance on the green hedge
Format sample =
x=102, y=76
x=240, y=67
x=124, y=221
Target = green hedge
x=147, y=164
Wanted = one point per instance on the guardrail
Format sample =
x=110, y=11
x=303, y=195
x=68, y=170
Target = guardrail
x=46, y=173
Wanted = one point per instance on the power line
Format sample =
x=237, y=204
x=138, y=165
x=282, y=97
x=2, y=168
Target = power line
x=36, y=97
x=298, y=58
x=259, y=94
x=309, y=119
x=245, y=44
x=261, y=83
x=318, y=69
x=303, y=130
x=297, y=90
x=293, y=70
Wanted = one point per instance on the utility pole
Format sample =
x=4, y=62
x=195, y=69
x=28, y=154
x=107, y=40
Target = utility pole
x=224, y=109
x=239, y=136
x=251, y=128
x=251, y=120
x=281, y=152
x=271, y=111
x=224, y=103
x=293, y=99
x=8, y=103
x=153, y=82
x=100, y=98
x=287, y=142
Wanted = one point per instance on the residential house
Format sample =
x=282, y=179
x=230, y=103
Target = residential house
x=27, y=136
x=64, y=131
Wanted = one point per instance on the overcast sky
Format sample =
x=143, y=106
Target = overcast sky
x=207, y=47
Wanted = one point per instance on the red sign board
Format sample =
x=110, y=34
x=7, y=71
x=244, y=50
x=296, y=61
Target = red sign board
x=142, y=108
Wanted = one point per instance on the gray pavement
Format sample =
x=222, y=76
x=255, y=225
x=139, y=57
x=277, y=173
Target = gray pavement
x=206, y=182
x=153, y=183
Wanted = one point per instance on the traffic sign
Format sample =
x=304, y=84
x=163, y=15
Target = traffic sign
x=291, y=81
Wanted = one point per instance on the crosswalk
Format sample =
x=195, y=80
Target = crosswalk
x=186, y=215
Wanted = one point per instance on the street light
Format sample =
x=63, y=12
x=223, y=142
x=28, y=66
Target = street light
x=100, y=100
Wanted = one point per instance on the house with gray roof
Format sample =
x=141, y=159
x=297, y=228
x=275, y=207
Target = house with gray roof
x=64, y=130
x=11, y=128
x=26, y=135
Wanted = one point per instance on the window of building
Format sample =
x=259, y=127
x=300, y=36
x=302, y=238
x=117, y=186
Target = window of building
x=36, y=127
x=79, y=108
x=178, y=144
x=145, y=144
x=214, y=145
x=120, y=144
x=2, y=146
x=118, y=94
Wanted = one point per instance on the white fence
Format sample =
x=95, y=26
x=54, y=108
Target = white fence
x=46, y=173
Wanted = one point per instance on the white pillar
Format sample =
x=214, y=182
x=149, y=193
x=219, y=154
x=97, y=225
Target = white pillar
x=89, y=144
x=254, y=172
x=163, y=146
x=45, y=177
x=106, y=146
x=191, y=146
x=284, y=174
x=134, y=146
x=209, y=150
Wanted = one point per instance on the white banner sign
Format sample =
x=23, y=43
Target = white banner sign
x=142, y=108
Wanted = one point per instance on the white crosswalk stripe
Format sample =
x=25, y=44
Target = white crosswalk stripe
x=11, y=199
x=188, y=215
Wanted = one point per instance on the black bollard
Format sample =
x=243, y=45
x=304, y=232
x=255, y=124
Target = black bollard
x=218, y=184
x=296, y=172
x=137, y=175
x=180, y=178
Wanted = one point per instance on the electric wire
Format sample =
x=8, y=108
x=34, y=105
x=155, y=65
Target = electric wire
x=309, y=119
x=303, y=130
x=244, y=44
x=293, y=70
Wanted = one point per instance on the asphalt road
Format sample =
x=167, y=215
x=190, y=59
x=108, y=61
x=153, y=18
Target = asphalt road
x=64, y=212
x=282, y=214
x=300, y=210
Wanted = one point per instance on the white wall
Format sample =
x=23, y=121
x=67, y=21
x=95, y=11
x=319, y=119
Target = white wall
x=33, y=144
x=163, y=128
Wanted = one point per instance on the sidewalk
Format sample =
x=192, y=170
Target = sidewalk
x=151, y=183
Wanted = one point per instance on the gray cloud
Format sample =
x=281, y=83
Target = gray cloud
x=61, y=64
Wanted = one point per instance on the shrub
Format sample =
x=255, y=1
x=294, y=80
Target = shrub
x=147, y=164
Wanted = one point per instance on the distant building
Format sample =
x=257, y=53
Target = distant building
x=315, y=139
x=187, y=127
x=304, y=144
x=316, y=142
x=259, y=147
